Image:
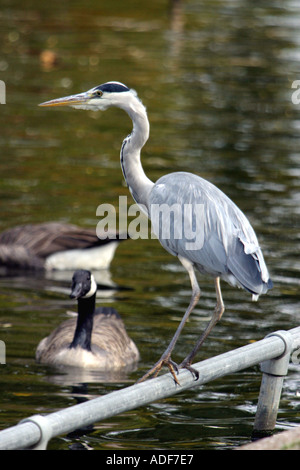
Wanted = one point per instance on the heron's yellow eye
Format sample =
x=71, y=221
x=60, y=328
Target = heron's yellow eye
x=98, y=93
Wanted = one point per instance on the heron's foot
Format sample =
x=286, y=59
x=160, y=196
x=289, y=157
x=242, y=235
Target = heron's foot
x=186, y=365
x=154, y=371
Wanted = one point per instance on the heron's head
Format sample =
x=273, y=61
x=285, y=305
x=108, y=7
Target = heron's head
x=98, y=98
x=83, y=284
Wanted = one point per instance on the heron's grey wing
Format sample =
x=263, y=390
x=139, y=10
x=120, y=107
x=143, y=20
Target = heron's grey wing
x=225, y=244
x=246, y=268
x=233, y=233
x=184, y=215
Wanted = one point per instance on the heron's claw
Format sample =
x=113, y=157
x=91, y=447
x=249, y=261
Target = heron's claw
x=193, y=371
x=154, y=371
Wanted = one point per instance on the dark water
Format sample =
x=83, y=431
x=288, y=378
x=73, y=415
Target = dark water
x=216, y=77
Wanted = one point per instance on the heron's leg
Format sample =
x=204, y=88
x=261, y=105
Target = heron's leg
x=218, y=312
x=166, y=357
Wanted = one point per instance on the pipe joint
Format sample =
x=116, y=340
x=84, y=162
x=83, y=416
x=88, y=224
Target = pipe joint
x=279, y=365
x=45, y=430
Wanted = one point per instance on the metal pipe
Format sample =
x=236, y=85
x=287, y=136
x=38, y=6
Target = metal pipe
x=64, y=421
x=274, y=371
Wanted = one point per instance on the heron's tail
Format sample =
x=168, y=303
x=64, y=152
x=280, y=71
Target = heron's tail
x=250, y=271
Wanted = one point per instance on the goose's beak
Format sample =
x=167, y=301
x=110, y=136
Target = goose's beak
x=77, y=291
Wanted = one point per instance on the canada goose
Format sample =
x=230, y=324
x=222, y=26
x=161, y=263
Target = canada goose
x=55, y=246
x=96, y=339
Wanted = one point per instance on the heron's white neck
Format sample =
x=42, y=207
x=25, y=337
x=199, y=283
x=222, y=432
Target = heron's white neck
x=138, y=183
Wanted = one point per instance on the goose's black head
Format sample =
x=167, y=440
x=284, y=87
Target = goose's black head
x=83, y=284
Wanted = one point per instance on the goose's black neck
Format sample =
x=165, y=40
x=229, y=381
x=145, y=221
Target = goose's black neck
x=84, y=326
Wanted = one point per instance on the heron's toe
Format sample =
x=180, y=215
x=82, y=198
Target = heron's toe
x=154, y=371
x=192, y=370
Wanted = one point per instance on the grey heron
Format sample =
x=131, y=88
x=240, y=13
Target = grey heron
x=228, y=247
x=95, y=339
x=56, y=246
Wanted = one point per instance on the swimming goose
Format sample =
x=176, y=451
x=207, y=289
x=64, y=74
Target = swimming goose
x=96, y=339
x=56, y=246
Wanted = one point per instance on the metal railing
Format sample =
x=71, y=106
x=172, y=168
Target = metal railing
x=273, y=352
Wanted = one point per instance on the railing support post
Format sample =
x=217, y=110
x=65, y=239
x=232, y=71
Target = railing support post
x=274, y=371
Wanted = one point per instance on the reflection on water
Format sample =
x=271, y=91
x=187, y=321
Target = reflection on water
x=74, y=376
x=216, y=78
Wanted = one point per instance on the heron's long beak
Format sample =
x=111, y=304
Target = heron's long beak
x=71, y=100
